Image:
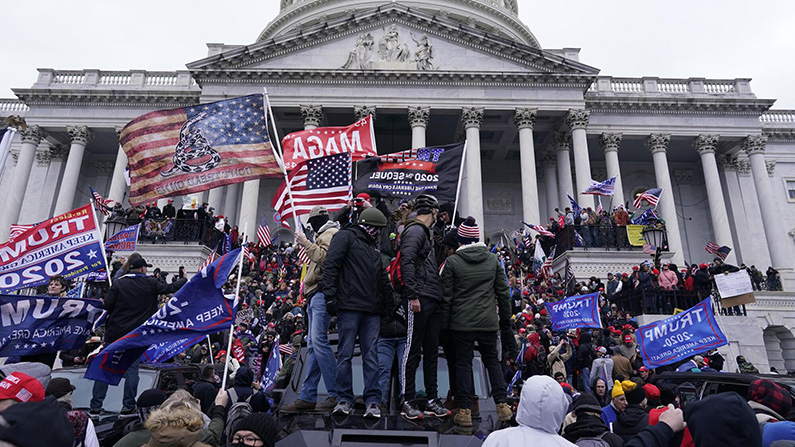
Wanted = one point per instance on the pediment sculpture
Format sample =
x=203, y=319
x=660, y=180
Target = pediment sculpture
x=392, y=53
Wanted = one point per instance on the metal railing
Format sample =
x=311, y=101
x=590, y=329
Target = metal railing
x=164, y=230
x=596, y=236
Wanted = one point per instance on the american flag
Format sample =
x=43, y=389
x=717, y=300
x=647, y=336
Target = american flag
x=233, y=135
x=263, y=232
x=717, y=250
x=604, y=188
x=303, y=258
x=527, y=241
x=540, y=229
x=569, y=281
x=102, y=205
x=650, y=195
x=286, y=349
x=210, y=259
x=16, y=230
x=649, y=249
x=546, y=267
x=321, y=181
x=599, y=208
x=711, y=247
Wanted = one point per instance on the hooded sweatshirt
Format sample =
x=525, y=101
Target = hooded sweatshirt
x=542, y=407
x=590, y=426
x=723, y=420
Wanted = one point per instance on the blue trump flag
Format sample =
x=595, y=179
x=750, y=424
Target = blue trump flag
x=680, y=336
x=197, y=309
x=575, y=207
x=124, y=240
x=579, y=311
x=44, y=324
x=272, y=367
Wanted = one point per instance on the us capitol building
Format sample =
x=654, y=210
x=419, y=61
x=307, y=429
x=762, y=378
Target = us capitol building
x=539, y=124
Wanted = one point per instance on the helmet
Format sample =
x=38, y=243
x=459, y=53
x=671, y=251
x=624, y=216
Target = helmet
x=425, y=201
x=372, y=216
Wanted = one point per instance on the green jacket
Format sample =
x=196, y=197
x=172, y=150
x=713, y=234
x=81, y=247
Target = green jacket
x=472, y=277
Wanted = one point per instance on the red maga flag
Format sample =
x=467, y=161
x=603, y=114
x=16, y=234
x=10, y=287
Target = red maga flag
x=358, y=139
x=192, y=149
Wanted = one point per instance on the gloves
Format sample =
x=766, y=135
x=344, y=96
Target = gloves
x=331, y=305
x=505, y=325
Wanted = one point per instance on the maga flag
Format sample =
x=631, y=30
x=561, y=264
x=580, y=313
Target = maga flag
x=197, y=309
x=358, y=139
x=192, y=149
x=434, y=170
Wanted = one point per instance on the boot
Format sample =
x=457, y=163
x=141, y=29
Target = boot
x=449, y=403
x=504, y=412
x=476, y=407
x=463, y=417
x=299, y=406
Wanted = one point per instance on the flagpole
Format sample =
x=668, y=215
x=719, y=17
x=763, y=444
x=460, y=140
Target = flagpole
x=237, y=295
x=210, y=348
x=720, y=324
x=101, y=243
x=280, y=159
x=460, y=177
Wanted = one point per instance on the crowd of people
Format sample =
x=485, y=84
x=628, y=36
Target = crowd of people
x=404, y=284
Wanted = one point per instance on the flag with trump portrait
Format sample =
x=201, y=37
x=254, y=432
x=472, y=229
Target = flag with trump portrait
x=197, y=309
x=196, y=148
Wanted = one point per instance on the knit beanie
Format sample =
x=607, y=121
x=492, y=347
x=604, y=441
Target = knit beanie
x=771, y=395
x=634, y=393
x=262, y=425
x=586, y=403
x=468, y=232
x=617, y=390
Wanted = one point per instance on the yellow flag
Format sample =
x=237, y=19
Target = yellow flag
x=634, y=235
x=677, y=311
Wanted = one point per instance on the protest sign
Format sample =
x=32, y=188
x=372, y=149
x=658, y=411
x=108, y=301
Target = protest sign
x=68, y=245
x=681, y=336
x=358, y=139
x=124, y=240
x=735, y=288
x=579, y=311
x=43, y=324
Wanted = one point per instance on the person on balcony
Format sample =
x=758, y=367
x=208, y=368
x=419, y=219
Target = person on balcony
x=646, y=286
x=169, y=212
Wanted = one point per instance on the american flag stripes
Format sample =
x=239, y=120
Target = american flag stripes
x=599, y=208
x=303, y=258
x=650, y=195
x=101, y=204
x=210, y=259
x=17, y=229
x=264, y=232
x=540, y=229
x=321, y=181
x=711, y=247
x=649, y=249
x=286, y=349
x=546, y=267
x=720, y=251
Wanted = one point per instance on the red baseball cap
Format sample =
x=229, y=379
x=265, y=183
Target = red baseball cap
x=363, y=195
x=652, y=392
x=522, y=330
x=627, y=339
x=643, y=368
x=21, y=388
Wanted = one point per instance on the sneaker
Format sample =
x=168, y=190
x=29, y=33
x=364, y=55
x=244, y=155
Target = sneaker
x=504, y=412
x=373, y=411
x=94, y=412
x=410, y=411
x=343, y=408
x=435, y=408
x=126, y=411
x=299, y=406
x=463, y=417
x=327, y=405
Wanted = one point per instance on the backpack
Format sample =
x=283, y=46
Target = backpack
x=393, y=270
x=237, y=412
x=538, y=366
x=594, y=441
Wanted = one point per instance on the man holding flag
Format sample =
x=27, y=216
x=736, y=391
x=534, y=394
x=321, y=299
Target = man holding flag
x=130, y=302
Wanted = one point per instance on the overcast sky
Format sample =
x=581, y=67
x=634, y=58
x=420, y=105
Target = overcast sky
x=665, y=38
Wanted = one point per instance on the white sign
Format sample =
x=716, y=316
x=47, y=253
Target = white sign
x=733, y=284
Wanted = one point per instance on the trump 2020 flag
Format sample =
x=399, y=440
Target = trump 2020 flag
x=124, y=240
x=579, y=311
x=680, y=336
x=272, y=367
x=196, y=148
x=197, y=309
x=604, y=188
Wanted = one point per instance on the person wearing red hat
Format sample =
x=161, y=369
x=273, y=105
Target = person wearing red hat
x=153, y=212
x=19, y=387
x=169, y=212
x=702, y=281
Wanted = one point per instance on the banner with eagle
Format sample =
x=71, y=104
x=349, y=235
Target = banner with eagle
x=196, y=148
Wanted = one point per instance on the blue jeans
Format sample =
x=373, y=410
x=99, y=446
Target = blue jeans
x=130, y=389
x=388, y=350
x=585, y=375
x=321, y=358
x=350, y=324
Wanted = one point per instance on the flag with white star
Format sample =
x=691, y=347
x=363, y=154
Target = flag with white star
x=196, y=148
x=197, y=309
x=322, y=181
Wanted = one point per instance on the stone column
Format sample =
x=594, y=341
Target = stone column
x=562, y=141
x=706, y=145
x=577, y=119
x=248, y=208
x=31, y=137
x=231, y=203
x=79, y=136
x=658, y=145
x=525, y=119
x=216, y=199
x=551, y=184
x=118, y=184
x=312, y=116
x=611, y=142
x=361, y=112
x=418, y=119
x=472, y=118
x=777, y=241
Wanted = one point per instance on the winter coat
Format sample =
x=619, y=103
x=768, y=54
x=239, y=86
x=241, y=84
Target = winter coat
x=131, y=301
x=668, y=280
x=702, y=283
x=590, y=426
x=244, y=377
x=621, y=367
x=542, y=407
x=471, y=278
x=210, y=436
x=585, y=352
x=317, y=254
x=557, y=361
x=418, y=263
x=353, y=276
x=205, y=391
x=602, y=368
x=630, y=422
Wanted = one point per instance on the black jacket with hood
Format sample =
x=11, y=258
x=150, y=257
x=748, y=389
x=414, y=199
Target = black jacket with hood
x=590, y=426
x=418, y=263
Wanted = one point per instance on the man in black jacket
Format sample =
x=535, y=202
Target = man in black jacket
x=357, y=290
x=422, y=288
x=130, y=302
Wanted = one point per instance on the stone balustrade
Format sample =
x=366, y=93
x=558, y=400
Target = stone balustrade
x=132, y=79
x=12, y=107
x=611, y=86
x=778, y=118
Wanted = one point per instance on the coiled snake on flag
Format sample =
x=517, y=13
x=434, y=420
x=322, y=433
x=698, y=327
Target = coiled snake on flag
x=192, y=145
